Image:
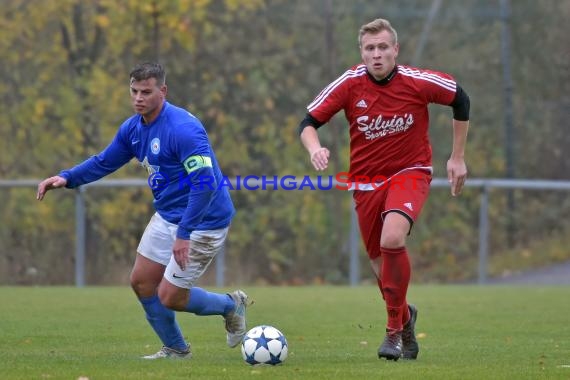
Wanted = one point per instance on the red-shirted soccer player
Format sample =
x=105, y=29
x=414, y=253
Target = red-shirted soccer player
x=387, y=108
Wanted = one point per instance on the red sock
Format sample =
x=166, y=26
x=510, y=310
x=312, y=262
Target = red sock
x=395, y=279
x=379, y=282
x=405, y=313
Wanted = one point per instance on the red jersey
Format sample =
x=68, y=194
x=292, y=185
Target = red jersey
x=388, y=122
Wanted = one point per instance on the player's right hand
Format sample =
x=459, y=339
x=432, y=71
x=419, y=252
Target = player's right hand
x=49, y=184
x=320, y=158
x=181, y=252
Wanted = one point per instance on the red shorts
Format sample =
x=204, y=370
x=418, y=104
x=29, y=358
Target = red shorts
x=405, y=193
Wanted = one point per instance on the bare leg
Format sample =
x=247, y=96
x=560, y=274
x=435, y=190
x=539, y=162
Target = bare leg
x=145, y=276
x=172, y=296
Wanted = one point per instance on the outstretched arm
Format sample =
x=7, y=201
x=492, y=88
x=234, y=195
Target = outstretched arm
x=50, y=183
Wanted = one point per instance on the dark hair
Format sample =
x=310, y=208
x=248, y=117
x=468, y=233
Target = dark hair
x=148, y=70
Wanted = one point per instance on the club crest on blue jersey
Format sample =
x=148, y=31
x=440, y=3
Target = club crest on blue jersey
x=155, y=145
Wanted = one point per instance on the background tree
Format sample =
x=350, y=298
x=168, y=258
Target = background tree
x=248, y=69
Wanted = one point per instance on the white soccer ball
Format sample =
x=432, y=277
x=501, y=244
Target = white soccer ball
x=264, y=345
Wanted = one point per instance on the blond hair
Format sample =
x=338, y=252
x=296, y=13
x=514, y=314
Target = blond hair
x=377, y=26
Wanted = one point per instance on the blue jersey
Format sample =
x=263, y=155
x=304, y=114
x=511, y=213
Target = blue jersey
x=178, y=157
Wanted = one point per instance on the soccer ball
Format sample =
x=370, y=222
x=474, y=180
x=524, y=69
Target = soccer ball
x=264, y=345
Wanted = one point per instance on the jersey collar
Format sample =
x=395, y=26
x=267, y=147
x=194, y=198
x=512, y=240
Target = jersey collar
x=385, y=81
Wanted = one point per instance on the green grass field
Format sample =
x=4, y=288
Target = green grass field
x=466, y=332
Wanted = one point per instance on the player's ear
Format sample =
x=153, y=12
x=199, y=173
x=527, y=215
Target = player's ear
x=396, y=49
x=164, y=90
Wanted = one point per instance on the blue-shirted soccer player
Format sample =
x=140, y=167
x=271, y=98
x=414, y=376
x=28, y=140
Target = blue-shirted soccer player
x=191, y=221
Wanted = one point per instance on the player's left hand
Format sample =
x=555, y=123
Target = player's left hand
x=456, y=175
x=181, y=251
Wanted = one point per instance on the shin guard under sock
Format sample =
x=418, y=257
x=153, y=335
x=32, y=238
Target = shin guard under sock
x=202, y=302
x=164, y=323
x=395, y=273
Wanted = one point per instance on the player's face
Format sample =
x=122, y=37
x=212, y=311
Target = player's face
x=147, y=98
x=379, y=52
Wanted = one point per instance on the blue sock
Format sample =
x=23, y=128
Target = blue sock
x=205, y=303
x=164, y=323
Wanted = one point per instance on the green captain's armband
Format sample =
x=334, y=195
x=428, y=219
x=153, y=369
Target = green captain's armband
x=194, y=163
